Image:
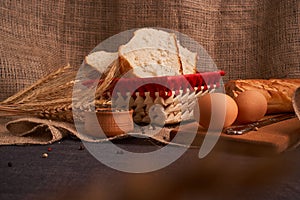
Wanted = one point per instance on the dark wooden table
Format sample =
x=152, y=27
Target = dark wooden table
x=70, y=172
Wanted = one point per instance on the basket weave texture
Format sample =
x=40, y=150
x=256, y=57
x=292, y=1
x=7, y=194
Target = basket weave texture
x=170, y=100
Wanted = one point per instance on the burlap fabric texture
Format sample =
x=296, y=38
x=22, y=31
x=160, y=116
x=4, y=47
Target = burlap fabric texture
x=249, y=39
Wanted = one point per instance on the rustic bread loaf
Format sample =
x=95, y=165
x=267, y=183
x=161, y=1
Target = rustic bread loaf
x=153, y=52
x=149, y=53
x=278, y=92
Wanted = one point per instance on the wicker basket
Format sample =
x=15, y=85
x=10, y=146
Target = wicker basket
x=162, y=100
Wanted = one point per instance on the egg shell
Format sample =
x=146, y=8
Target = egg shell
x=216, y=110
x=252, y=106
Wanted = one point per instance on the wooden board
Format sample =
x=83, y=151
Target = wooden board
x=271, y=139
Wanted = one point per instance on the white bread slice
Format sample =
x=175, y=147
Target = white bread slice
x=101, y=60
x=150, y=52
x=149, y=63
x=107, y=64
x=188, y=60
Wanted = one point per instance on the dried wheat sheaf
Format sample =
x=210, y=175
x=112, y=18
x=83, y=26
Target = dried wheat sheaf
x=51, y=96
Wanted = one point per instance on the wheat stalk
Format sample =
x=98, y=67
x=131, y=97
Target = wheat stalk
x=51, y=96
x=32, y=91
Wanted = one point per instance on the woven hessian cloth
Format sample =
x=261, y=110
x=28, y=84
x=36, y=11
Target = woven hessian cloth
x=247, y=39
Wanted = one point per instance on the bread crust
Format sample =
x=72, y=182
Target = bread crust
x=124, y=65
x=278, y=92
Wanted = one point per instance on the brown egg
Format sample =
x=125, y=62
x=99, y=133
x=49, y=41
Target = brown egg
x=216, y=110
x=252, y=106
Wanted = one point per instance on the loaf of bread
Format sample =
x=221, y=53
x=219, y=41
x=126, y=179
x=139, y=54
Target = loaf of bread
x=278, y=92
x=153, y=52
x=150, y=53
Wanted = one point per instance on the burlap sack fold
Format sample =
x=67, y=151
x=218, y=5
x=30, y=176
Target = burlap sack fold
x=31, y=130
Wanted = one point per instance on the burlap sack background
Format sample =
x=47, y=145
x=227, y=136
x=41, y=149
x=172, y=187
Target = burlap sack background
x=248, y=39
